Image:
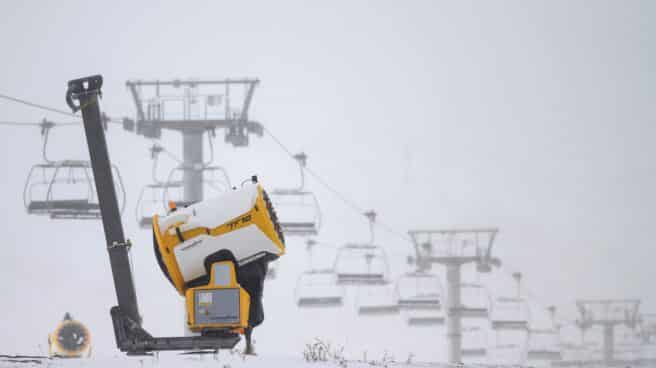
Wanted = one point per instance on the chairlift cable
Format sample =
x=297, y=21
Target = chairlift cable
x=108, y=120
x=347, y=201
x=510, y=270
x=35, y=105
x=32, y=124
x=14, y=123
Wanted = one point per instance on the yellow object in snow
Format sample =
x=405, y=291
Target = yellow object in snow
x=241, y=223
x=70, y=339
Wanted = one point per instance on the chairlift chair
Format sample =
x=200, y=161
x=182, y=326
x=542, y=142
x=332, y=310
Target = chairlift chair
x=425, y=318
x=151, y=201
x=543, y=345
x=420, y=298
x=474, y=342
x=509, y=314
x=298, y=209
x=575, y=352
x=318, y=289
x=65, y=190
x=629, y=352
x=377, y=300
x=419, y=291
x=474, y=352
x=361, y=264
x=507, y=353
x=298, y=212
x=475, y=301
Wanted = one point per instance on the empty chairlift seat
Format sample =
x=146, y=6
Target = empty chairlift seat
x=543, y=345
x=318, y=289
x=425, y=318
x=420, y=298
x=152, y=201
x=577, y=352
x=474, y=342
x=625, y=351
x=419, y=291
x=474, y=301
x=361, y=264
x=377, y=300
x=510, y=353
x=65, y=190
x=510, y=314
x=298, y=211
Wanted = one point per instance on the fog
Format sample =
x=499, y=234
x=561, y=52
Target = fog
x=533, y=117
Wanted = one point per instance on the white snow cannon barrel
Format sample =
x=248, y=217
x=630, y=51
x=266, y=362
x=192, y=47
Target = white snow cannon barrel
x=206, y=249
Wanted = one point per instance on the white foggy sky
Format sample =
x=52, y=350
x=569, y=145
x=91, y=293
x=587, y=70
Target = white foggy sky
x=535, y=117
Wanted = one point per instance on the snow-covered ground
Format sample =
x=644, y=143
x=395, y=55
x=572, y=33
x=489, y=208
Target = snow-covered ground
x=235, y=359
x=222, y=360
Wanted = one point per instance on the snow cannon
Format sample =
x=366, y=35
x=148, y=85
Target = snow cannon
x=215, y=253
x=71, y=339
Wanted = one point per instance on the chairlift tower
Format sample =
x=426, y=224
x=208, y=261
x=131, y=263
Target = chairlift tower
x=454, y=248
x=608, y=314
x=192, y=108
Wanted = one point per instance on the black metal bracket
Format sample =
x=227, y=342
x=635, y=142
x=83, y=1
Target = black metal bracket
x=127, y=245
x=132, y=339
x=82, y=86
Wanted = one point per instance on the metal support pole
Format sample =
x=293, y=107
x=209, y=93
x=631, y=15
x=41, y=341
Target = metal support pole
x=87, y=92
x=192, y=148
x=454, y=328
x=609, y=343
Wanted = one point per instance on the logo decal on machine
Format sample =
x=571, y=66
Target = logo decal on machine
x=193, y=244
x=232, y=225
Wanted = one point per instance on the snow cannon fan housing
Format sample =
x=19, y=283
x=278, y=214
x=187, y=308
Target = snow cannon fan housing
x=70, y=339
x=201, y=247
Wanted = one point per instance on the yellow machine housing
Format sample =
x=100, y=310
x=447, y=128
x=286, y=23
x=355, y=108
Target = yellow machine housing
x=70, y=339
x=222, y=304
x=186, y=236
x=241, y=222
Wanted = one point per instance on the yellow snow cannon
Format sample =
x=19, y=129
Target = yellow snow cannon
x=70, y=339
x=215, y=253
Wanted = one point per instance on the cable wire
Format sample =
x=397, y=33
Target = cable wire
x=510, y=270
x=31, y=124
x=106, y=119
x=35, y=105
x=339, y=195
